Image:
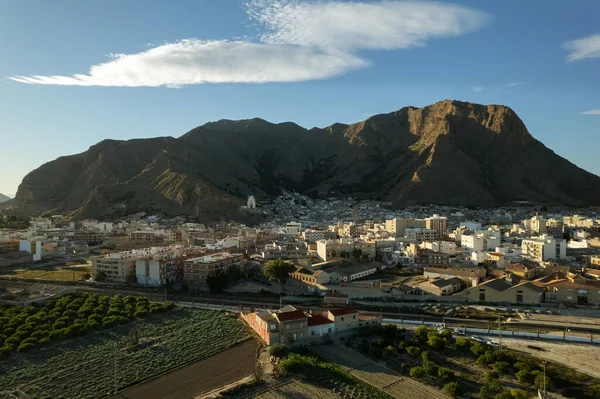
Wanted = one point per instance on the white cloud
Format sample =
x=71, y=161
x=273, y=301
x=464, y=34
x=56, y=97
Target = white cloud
x=586, y=47
x=511, y=84
x=299, y=41
x=591, y=112
x=195, y=62
x=478, y=88
x=360, y=25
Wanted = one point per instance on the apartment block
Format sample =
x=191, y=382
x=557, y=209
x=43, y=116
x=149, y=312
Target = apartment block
x=328, y=249
x=544, y=248
x=397, y=226
x=312, y=236
x=421, y=234
x=437, y=223
x=196, y=270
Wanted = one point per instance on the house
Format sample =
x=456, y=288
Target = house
x=340, y=274
x=344, y=318
x=310, y=277
x=442, y=286
x=292, y=325
x=574, y=289
x=319, y=325
x=336, y=299
x=501, y=290
x=470, y=275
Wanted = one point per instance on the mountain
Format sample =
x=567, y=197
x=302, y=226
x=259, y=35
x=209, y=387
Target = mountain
x=450, y=152
x=4, y=198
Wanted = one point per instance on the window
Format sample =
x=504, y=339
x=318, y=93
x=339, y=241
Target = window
x=353, y=317
x=342, y=319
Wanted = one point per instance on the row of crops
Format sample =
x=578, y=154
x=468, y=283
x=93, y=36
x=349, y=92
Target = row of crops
x=25, y=328
x=85, y=367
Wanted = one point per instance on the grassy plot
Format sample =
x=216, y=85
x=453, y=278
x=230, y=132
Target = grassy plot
x=85, y=367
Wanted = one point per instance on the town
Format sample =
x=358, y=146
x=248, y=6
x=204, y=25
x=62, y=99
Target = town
x=500, y=256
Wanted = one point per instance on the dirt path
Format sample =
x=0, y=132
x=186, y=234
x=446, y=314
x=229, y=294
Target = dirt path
x=205, y=375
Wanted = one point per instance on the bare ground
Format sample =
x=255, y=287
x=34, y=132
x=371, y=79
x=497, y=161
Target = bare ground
x=205, y=375
x=581, y=357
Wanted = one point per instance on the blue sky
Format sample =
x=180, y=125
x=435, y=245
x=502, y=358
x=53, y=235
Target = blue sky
x=76, y=72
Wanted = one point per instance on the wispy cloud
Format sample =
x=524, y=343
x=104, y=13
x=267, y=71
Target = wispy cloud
x=509, y=85
x=591, y=112
x=194, y=62
x=299, y=40
x=478, y=88
x=360, y=25
x=586, y=47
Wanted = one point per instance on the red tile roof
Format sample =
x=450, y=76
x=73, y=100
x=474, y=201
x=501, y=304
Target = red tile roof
x=317, y=320
x=343, y=311
x=293, y=315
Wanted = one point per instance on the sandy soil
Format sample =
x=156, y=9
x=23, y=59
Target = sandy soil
x=205, y=375
x=584, y=358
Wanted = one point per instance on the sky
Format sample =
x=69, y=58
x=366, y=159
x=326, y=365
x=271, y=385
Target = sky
x=74, y=72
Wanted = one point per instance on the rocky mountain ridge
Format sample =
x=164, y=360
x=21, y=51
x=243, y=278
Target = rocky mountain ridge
x=450, y=152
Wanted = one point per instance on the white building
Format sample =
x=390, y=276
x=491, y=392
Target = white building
x=544, y=248
x=446, y=247
x=471, y=225
x=421, y=234
x=293, y=228
x=480, y=241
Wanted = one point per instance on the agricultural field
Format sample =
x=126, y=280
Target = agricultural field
x=376, y=374
x=25, y=328
x=74, y=273
x=296, y=389
x=85, y=367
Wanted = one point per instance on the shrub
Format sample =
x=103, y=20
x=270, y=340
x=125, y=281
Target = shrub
x=278, y=350
x=524, y=377
x=421, y=333
x=523, y=366
x=418, y=372
x=435, y=341
x=538, y=382
x=24, y=347
x=492, y=375
x=445, y=374
x=413, y=351
x=452, y=389
x=431, y=368
x=486, y=359
x=478, y=349
x=501, y=367
x=519, y=394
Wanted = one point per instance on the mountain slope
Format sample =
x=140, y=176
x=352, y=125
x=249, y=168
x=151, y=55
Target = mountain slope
x=449, y=153
x=4, y=198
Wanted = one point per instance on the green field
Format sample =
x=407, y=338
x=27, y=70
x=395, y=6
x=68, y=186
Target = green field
x=85, y=367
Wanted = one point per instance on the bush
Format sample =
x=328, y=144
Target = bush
x=525, y=377
x=478, y=349
x=24, y=347
x=414, y=351
x=452, y=389
x=492, y=375
x=539, y=381
x=418, y=372
x=486, y=359
x=278, y=350
x=421, y=332
x=501, y=367
x=445, y=374
x=435, y=341
x=519, y=394
x=431, y=368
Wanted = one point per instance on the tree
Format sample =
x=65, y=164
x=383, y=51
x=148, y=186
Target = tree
x=357, y=253
x=417, y=372
x=279, y=351
x=519, y=394
x=539, y=381
x=445, y=374
x=216, y=281
x=478, y=349
x=452, y=389
x=501, y=367
x=421, y=333
x=463, y=344
x=524, y=377
x=414, y=351
x=435, y=341
x=279, y=269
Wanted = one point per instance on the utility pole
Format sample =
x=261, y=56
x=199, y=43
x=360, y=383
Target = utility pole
x=544, y=363
x=280, y=302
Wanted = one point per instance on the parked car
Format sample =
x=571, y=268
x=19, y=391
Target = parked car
x=493, y=343
x=477, y=338
x=459, y=332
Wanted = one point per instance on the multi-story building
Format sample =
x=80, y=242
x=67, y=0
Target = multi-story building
x=289, y=251
x=421, y=234
x=118, y=266
x=146, y=237
x=447, y=247
x=397, y=226
x=312, y=236
x=159, y=270
x=479, y=241
x=538, y=225
x=578, y=221
x=437, y=223
x=353, y=230
x=196, y=270
x=328, y=249
x=595, y=261
x=426, y=257
x=544, y=248
x=293, y=228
